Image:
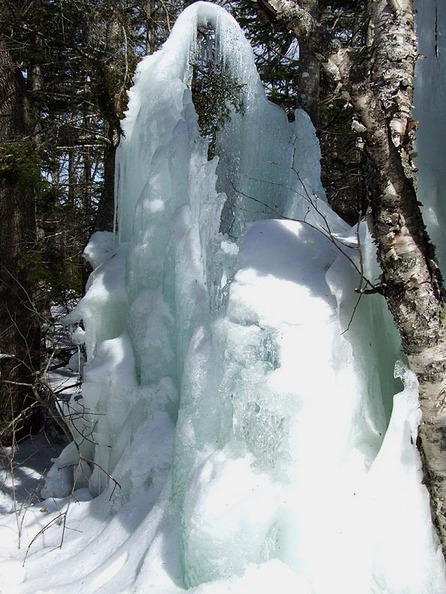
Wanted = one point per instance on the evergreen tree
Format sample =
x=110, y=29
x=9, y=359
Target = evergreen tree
x=19, y=322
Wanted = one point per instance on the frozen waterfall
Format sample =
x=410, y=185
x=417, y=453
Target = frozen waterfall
x=244, y=427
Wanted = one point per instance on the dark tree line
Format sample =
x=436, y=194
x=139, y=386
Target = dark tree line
x=19, y=323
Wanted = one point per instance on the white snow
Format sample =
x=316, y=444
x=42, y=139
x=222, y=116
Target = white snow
x=240, y=427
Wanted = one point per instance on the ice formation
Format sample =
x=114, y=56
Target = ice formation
x=238, y=430
x=430, y=98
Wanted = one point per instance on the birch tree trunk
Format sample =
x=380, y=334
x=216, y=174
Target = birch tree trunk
x=411, y=280
x=378, y=80
x=309, y=71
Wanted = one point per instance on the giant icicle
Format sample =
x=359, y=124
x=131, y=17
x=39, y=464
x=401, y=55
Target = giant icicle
x=249, y=434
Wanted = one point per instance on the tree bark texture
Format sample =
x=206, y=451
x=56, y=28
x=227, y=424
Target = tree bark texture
x=378, y=82
x=111, y=103
x=19, y=324
x=411, y=280
x=309, y=72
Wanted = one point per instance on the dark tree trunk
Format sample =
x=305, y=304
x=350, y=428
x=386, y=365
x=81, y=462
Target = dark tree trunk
x=19, y=324
x=105, y=214
x=111, y=102
x=377, y=82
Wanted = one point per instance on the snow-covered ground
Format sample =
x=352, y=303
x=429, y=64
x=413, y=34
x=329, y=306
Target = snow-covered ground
x=22, y=473
x=241, y=428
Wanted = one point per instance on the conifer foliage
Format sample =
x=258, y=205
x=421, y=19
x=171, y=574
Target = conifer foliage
x=65, y=70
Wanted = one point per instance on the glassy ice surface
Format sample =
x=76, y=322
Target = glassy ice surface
x=246, y=425
x=430, y=97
